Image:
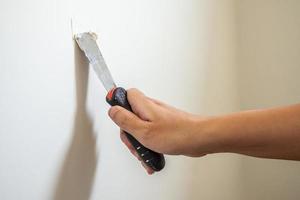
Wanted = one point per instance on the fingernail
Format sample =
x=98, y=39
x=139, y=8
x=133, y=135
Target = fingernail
x=150, y=172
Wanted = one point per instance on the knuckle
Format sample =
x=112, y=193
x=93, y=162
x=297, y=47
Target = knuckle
x=114, y=113
x=123, y=120
x=132, y=90
x=130, y=94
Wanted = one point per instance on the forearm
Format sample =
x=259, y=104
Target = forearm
x=269, y=133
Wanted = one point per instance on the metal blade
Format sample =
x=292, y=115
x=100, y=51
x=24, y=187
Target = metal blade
x=87, y=43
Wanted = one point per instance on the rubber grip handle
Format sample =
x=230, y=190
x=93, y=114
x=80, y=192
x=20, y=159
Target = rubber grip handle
x=156, y=161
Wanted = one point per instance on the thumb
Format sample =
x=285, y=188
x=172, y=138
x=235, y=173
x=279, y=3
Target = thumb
x=127, y=120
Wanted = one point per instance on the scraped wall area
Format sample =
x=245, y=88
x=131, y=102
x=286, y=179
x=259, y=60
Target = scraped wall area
x=208, y=57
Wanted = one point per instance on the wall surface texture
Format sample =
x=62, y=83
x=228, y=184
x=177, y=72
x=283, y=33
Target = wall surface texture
x=268, y=68
x=207, y=57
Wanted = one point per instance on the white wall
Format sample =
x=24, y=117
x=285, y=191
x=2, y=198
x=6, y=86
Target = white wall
x=56, y=140
x=268, y=68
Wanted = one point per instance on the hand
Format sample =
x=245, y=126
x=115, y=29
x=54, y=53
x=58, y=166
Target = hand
x=261, y=133
x=157, y=126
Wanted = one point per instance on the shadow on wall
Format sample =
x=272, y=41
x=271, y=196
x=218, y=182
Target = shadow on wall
x=78, y=169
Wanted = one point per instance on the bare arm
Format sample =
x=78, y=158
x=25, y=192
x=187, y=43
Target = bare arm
x=269, y=133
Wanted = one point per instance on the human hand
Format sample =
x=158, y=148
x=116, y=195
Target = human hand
x=157, y=126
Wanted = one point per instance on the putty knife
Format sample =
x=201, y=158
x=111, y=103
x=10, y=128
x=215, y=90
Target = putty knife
x=116, y=95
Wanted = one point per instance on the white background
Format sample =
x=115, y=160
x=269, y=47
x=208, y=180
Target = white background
x=207, y=57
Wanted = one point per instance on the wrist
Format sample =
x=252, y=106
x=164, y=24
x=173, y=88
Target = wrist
x=207, y=136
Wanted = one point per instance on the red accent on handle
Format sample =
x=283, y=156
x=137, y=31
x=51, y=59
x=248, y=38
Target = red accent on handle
x=110, y=93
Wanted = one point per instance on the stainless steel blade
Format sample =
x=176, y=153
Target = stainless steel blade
x=87, y=43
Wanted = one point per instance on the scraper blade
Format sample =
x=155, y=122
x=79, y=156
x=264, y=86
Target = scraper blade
x=87, y=43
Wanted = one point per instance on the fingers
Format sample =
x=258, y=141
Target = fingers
x=164, y=105
x=140, y=104
x=160, y=103
x=129, y=146
x=137, y=123
x=128, y=121
x=133, y=151
x=148, y=169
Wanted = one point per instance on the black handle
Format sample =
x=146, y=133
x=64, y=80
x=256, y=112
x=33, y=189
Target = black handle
x=156, y=161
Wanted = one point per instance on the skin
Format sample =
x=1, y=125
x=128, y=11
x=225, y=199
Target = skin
x=267, y=133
